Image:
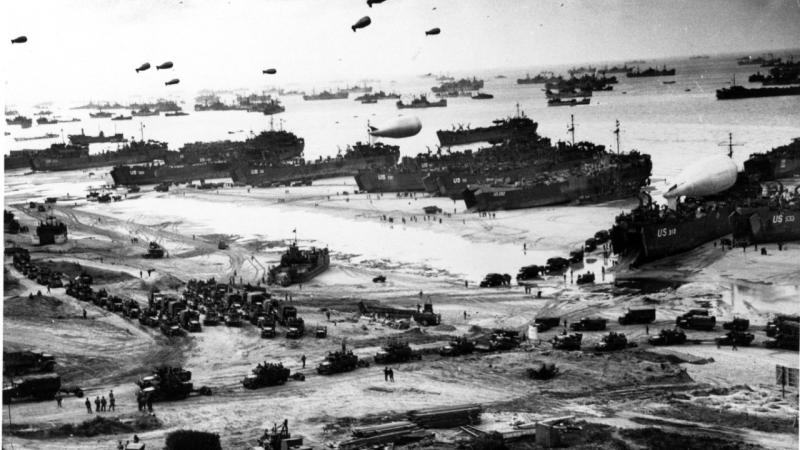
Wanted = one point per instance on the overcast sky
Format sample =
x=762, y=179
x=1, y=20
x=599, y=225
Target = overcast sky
x=89, y=48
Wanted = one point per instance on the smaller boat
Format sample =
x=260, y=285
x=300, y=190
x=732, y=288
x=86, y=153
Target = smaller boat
x=482, y=96
x=570, y=102
x=34, y=138
x=175, y=114
x=121, y=117
x=100, y=115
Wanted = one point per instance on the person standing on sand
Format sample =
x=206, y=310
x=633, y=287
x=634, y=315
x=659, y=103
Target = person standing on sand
x=391, y=375
x=103, y=403
x=58, y=399
x=733, y=344
x=303, y=359
x=88, y=406
x=97, y=404
x=111, y=401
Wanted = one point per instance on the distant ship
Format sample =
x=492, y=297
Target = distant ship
x=543, y=77
x=22, y=121
x=83, y=140
x=100, y=115
x=144, y=112
x=421, y=102
x=34, y=138
x=273, y=106
x=767, y=59
x=211, y=103
x=650, y=72
x=519, y=126
x=380, y=95
x=571, y=102
x=405, y=177
x=326, y=95
x=210, y=160
x=462, y=85
x=75, y=157
x=122, y=117
x=18, y=159
x=360, y=156
x=175, y=114
x=567, y=93
x=46, y=121
x=482, y=96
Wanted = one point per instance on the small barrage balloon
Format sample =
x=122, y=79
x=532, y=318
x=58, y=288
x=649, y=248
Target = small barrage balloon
x=166, y=65
x=172, y=81
x=143, y=67
x=269, y=71
x=372, y=2
x=20, y=40
x=362, y=23
x=433, y=32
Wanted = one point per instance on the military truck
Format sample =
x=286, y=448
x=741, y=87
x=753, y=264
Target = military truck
x=787, y=336
x=22, y=362
x=427, y=317
x=774, y=325
x=296, y=328
x=741, y=338
x=457, y=347
x=267, y=326
x=233, y=318
x=576, y=256
x=668, y=336
x=737, y=324
x=171, y=327
x=612, y=342
x=130, y=309
x=528, y=273
x=556, y=265
x=546, y=323
x=154, y=251
x=321, y=332
x=114, y=304
x=585, y=278
x=542, y=370
x=696, y=319
x=38, y=386
x=396, y=351
x=283, y=312
x=169, y=383
x=340, y=361
x=589, y=324
x=570, y=341
x=211, y=317
x=638, y=315
x=266, y=374
x=190, y=320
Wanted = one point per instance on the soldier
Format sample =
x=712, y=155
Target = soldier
x=97, y=404
x=733, y=344
x=149, y=404
x=303, y=358
x=88, y=406
x=111, y=401
x=391, y=375
x=465, y=315
x=647, y=329
x=103, y=403
x=385, y=374
x=58, y=399
x=328, y=314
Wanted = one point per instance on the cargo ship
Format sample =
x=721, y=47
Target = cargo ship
x=121, y=117
x=145, y=112
x=326, y=95
x=518, y=126
x=173, y=114
x=77, y=157
x=650, y=72
x=84, y=140
x=570, y=102
x=46, y=121
x=18, y=159
x=22, y=121
x=462, y=85
x=542, y=78
x=299, y=266
x=211, y=160
x=604, y=177
x=421, y=102
x=36, y=138
x=650, y=231
x=380, y=95
x=361, y=156
x=100, y=115
x=51, y=231
x=268, y=108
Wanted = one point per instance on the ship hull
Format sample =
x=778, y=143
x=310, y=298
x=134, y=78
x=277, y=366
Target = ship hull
x=378, y=181
x=16, y=162
x=42, y=163
x=764, y=226
x=265, y=176
x=723, y=94
x=184, y=173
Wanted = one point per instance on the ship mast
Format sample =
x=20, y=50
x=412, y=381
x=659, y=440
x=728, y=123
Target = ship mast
x=141, y=130
x=616, y=132
x=571, y=128
x=729, y=144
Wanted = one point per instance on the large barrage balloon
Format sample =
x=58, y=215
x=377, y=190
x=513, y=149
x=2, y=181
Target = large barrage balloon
x=172, y=81
x=269, y=71
x=20, y=40
x=362, y=23
x=402, y=127
x=372, y=2
x=433, y=32
x=166, y=65
x=143, y=67
x=705, y=177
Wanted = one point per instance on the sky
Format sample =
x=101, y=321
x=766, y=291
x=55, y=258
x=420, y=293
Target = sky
x=90, y=48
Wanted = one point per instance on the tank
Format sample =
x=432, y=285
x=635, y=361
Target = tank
x=589, y=324
x=570, y=341
x=396, y=352
x=638, y=315
x=774, y=324
x=612, y=342
x=669, y=337
x=340, y=361
x=38, y=387
x=787, y=336
x=266, y=374
x=154, y=250
x=696, y=320
x=542, y=371
x=504, y=340
x=457, y=347
x=546, y=323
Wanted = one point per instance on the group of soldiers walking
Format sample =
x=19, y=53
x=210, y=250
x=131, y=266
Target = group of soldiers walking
x=100, y=403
